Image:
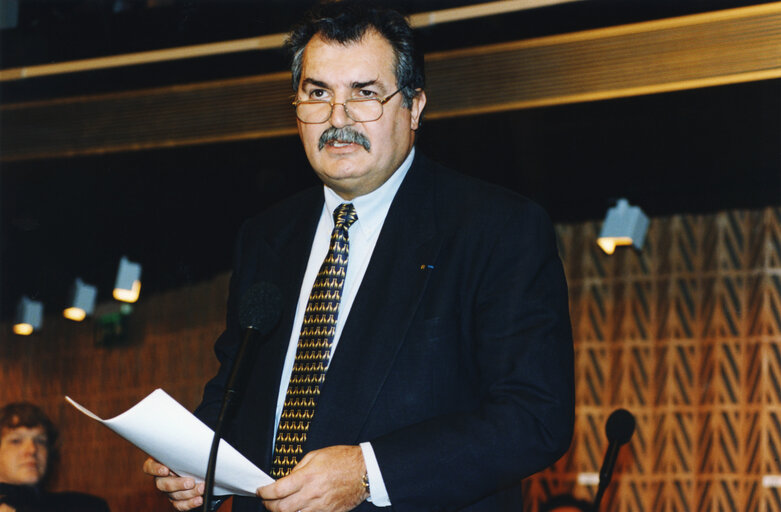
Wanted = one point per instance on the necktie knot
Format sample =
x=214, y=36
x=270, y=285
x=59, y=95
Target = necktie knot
x=345, y=215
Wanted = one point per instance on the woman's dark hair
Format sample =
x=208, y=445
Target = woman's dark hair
x=347, y=22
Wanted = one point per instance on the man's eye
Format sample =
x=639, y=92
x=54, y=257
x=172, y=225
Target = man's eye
x=317, y=94
x=367, y=93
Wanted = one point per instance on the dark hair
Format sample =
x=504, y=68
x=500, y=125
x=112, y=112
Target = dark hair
x=346, y=22
x=25, y=414
x=565, y=500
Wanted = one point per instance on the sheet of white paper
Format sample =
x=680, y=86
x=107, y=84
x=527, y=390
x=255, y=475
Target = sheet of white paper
x=165, y=430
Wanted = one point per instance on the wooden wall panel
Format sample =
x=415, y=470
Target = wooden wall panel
x=169, y=345
x=713, y=48
x=685, y=334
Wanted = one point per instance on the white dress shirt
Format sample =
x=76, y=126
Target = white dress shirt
x=371, y=209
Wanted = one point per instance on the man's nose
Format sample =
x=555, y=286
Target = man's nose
x=339, y=117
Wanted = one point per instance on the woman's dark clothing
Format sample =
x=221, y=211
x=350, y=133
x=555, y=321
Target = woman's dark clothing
x=26, y=498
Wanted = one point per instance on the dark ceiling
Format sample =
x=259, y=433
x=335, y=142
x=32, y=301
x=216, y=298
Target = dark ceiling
x=177, y=210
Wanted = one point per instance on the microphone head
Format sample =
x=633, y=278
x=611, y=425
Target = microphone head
x=620, y=426
x=260, y=307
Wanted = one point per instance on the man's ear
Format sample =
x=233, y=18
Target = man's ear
x=416, y=109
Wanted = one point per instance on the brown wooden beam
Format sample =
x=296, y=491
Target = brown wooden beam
x=717, y=48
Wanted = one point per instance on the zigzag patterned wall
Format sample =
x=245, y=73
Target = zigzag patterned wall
x=687, y=336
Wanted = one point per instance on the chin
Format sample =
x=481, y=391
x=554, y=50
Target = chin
x=337, y=172
x=29, y=477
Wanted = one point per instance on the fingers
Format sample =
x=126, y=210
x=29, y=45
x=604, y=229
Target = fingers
x=326, y=480
x=183, y=492
x=184, y=505
x=154, y=468
x=188, y=498
x=282, y=488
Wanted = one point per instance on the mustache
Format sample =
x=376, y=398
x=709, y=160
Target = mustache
x=344, y=134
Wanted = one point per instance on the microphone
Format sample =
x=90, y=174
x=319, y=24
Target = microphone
x=619, y=429
x=259, y=312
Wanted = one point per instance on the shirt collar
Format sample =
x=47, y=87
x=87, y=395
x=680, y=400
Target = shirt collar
x=372, y=207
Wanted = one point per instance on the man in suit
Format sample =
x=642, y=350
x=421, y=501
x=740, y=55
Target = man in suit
x=447, y=375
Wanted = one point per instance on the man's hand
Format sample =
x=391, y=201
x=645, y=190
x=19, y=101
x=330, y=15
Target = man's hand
x=183, y=493
x=326, y=480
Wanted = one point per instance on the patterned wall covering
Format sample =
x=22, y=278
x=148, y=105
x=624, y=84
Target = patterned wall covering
x=685, y=334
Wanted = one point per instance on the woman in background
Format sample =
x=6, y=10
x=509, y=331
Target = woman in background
x=27, y=448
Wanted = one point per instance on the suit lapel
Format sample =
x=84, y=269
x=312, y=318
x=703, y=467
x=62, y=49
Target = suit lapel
x=376, y=327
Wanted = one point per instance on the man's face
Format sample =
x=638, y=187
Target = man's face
x=334, y=72
x=23, y=455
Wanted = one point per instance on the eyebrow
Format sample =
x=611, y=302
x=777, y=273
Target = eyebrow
x=354, y=85
x=361, y=85
x=317, y=83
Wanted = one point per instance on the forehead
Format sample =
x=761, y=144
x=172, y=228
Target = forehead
x=370, y=58
x=22, y=431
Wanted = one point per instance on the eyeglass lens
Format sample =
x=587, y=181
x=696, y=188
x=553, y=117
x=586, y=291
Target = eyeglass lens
x=360, y=111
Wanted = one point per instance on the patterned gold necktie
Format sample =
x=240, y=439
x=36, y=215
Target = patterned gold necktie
x=314, y=347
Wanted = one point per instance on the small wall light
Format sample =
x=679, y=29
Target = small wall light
x=624, y=225
x=29, y=316
x=128, y=284
x=82, y=301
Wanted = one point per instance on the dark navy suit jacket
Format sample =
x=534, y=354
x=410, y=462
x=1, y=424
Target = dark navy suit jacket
x=455, y=361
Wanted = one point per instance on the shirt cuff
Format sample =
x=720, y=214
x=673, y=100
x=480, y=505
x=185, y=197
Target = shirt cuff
x=378, y=495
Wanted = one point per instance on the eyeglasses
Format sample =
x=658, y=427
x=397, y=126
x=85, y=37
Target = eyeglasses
x=360, y=110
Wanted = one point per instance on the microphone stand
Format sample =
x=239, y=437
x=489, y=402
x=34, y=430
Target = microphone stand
x=603, y=483
x=236, y=376
x=259, y=312
x=227, y=401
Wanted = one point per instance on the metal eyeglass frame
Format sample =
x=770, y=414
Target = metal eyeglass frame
x=381, y=101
